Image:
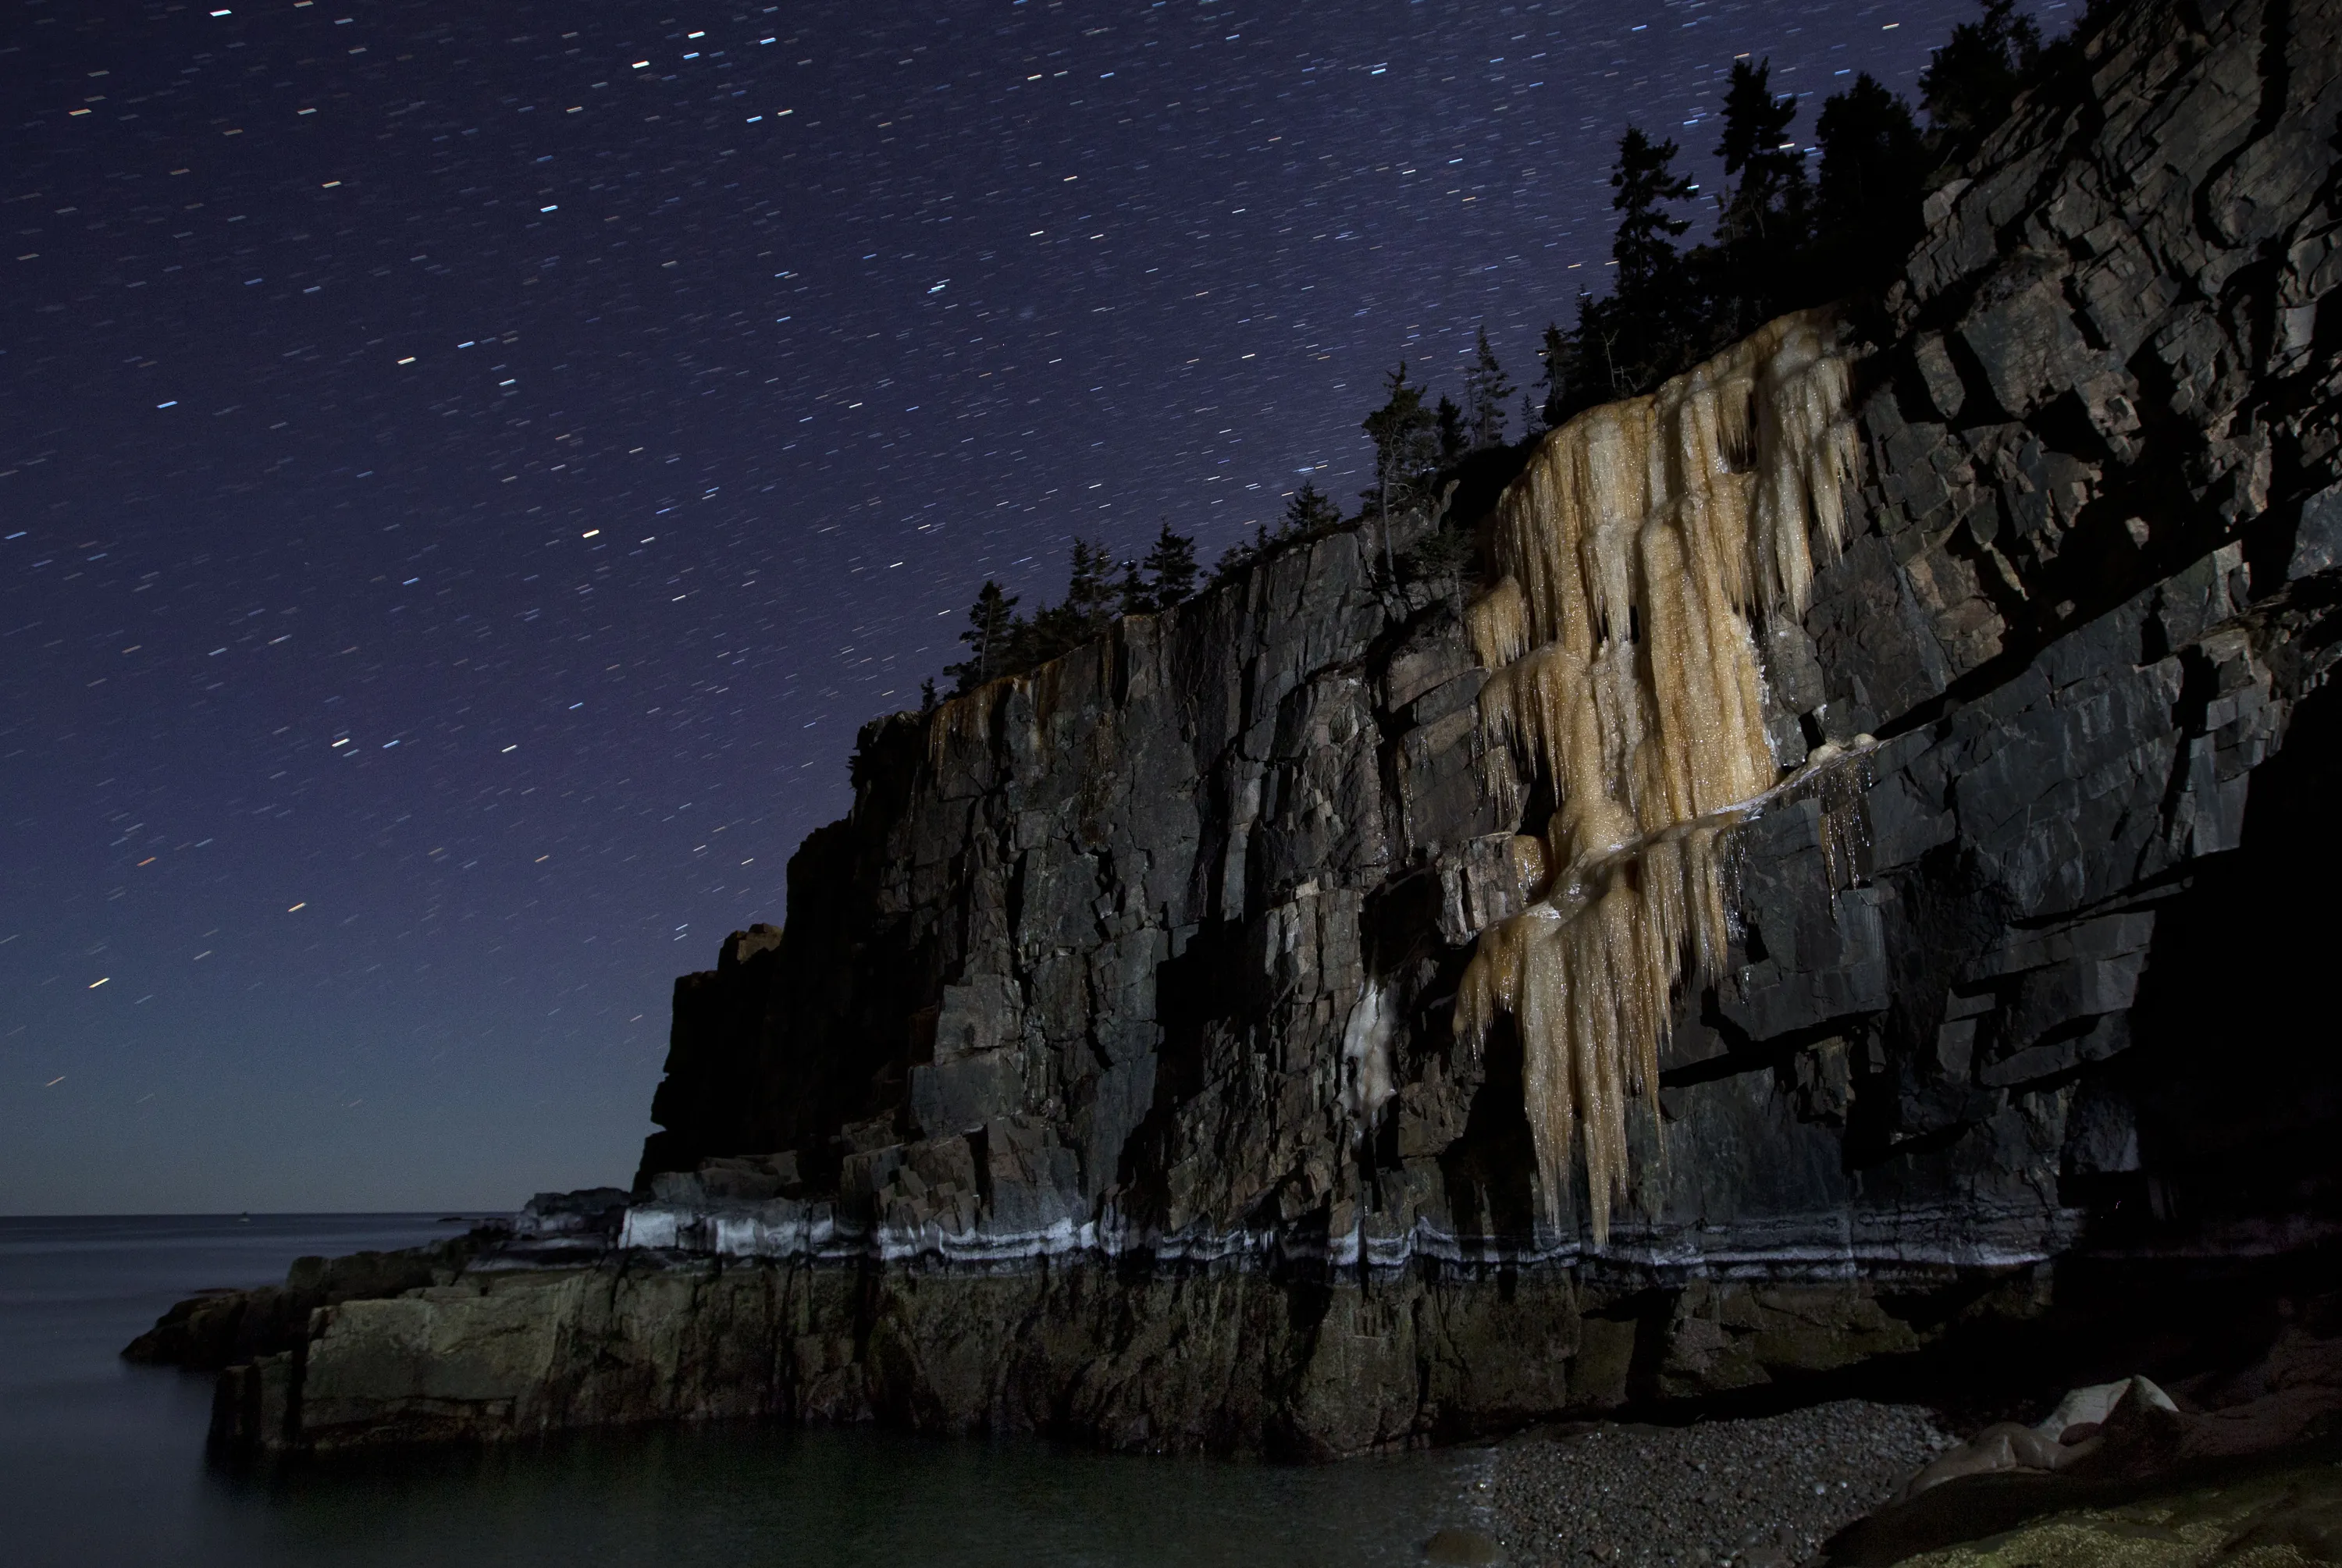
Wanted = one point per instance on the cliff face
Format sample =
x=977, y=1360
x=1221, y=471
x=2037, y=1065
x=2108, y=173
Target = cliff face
x=1108, y=1077
x=1111, y=930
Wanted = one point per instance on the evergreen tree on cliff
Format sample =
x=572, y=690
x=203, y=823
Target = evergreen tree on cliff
x=1971, y=81
x=1406, y=449
x=1485, y=388
x=1170, y=569
x=1089, y=587
x=1403, y=432
x=1309, y=510
x=1644, y=179
x=1448, y=420
x=1873, y=164
x=1640, y=331
x=992, y=627
x=1762, y=229
x=1092, y=597
x=1563, y=394
x=1756, y=147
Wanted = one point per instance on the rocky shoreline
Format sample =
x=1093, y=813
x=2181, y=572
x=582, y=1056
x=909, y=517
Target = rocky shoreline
x=1681, y=1472
x=518, y=1339
x=1765, y=1492
x=1109, y=1083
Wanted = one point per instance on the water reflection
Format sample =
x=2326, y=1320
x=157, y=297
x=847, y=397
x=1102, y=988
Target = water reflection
x=721, y=1497
x=104, y=1462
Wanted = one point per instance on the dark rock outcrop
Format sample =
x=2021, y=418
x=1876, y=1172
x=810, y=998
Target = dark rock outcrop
x=257, y=1340
x=217, y=1328
x=1103, y=1080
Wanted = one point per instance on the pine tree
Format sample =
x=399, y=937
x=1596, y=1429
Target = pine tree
x=1454, y=440
x=993, y=629
x=1401, y=432
x=1486, y=387
x=1309, y=510
x=1871, y=154
x=1090, y=591
x=1136, y=601
x=1239, y=557
x=1170, y=567
x=1969, y=84
x=1754, y=271
x=1606, y=371
x=1559, y=355
x=1757, y=148
x=1644, y=247
x=1874, y=166
x=1645, y=325
x=1092, y=597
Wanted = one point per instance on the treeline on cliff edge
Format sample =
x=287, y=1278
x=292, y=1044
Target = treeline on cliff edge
x=1796, y=226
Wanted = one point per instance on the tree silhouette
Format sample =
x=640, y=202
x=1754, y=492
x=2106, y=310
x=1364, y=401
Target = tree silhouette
x=1645, y=327
x=1559, y=355
x=1970, y=82
x=1092, y=597
x=1757, y=148
x=1090, y=591
x=1404, y=450
x=991, y=634
x=1874, y=164
x=1401, y=432
x=1448, y=420
x=1485, y=391
x=1644, y=247
x=1309, y=510
x=1170, y=567
x=1751, y=272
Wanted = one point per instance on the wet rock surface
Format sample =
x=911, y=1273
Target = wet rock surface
x=2277, y=1516
x=1762, y=1491
x=1092, y=963
x=2235, y=1459
x=215, y=1329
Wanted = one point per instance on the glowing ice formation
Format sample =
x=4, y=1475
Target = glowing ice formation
x=1633, y=555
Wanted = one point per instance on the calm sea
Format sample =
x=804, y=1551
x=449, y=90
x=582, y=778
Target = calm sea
x=103, y=1462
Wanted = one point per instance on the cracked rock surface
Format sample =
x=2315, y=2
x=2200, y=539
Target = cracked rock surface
x=1103, y=1082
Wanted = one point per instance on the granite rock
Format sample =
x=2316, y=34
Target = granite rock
x=1038, y=1115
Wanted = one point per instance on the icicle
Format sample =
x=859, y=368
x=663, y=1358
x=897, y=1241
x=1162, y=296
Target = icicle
x=1633, y=555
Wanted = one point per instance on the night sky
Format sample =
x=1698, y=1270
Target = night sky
x=468, y=471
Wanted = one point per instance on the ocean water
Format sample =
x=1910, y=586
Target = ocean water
x=102, y=1463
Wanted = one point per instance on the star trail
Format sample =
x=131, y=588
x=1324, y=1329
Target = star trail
x=467, y=473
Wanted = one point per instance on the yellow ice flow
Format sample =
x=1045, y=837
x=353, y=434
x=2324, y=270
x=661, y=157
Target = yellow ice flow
x=1633, y=556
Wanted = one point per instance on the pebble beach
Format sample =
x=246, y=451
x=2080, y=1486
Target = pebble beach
x=1762, y=1492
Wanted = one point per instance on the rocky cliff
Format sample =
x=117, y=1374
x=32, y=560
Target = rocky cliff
x=1878, y=846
